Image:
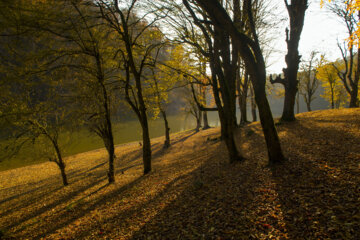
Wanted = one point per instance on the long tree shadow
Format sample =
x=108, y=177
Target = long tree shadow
x=184, y=138
x=114, y=198
x=318, y=185
x=127, y=216
x=212, y=203
x=50, y=206
x=42, y=192
x=84, y=207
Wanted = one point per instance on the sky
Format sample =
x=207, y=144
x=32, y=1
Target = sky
x=320, y=33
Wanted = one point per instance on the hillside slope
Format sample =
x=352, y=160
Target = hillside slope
x=194, y=193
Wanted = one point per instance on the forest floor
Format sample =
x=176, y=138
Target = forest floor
x=194, y=193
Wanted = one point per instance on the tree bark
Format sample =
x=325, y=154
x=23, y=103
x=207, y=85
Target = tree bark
x=205, y=116
x=60, y=162
x=308, y=106
x=205, y=120
x=332, y=97
x=267, y=122
x=63, y=175
x=288, y=114
x=297, y=102
x=146, y=146
x=354, y=102
x=198, y=121
x=110, y=145
x=243, y=99
x=253, y=105
x=167, y=130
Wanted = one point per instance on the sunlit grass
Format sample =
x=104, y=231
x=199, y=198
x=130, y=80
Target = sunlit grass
x=83, y=140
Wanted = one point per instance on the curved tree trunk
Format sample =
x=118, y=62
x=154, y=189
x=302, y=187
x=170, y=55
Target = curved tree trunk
x=267, y=122
x=60, y=162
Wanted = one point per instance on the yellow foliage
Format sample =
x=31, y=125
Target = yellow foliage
x=354, y=7
x=334, y=91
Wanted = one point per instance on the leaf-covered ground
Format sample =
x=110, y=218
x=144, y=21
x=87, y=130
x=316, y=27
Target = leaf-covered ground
x=194, y=193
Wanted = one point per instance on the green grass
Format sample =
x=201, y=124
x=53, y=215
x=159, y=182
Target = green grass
x=83, y=140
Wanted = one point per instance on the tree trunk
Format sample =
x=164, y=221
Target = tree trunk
x=111, y=152
x=354, y=103
x=167, y=130
x=60, y=162
x=253, y=105
x=297, y=102
x=253, y=111
x=296, y=10
x=288, y=114
x=205, y=120
x=234, y=154
x=63, y=175
x=110, y=146
x=308, y=106
x=332, y=98
x=267, y=122
x=146, y=146
x=243, y=112
x=205, y=116
x=243, y=100
x=198, y=122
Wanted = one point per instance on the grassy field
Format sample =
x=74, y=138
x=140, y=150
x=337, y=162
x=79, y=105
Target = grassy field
x=83, y=140
x=194, y=193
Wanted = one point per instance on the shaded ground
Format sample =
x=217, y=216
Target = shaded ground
x=193, y=193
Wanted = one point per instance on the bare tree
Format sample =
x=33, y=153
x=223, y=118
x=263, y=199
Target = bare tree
x=308, y=80
x=350, y=74
x=135, y=56
x=249, y=49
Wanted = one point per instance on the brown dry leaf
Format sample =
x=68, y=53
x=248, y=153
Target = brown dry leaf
x=194, y=193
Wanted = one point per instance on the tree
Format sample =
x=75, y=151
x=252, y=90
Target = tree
x=82, y=45
x=353, y=11
x=308, y=80
x=296, y=10
x=192, y=106
x=164, y=78
x=243, y=83
x=249, y=49
x=212, y=47
x=96, y=64
x=350, y=75
x=139, y=45
x=32, y=109
x=333, y=88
